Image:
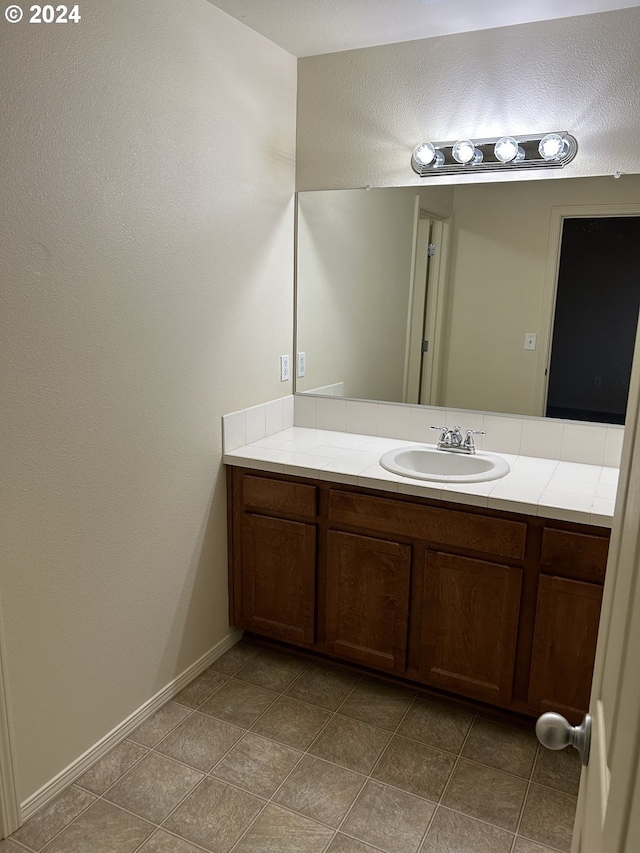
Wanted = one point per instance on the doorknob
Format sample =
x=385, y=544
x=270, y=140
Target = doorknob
x=556, y=732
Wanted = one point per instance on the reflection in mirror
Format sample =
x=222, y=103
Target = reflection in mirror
x=446, y=295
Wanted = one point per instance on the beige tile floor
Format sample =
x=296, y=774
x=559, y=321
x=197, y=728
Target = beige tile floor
x=268, y=753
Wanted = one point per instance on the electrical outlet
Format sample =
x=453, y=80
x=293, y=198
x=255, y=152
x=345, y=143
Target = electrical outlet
x=530, y=339
x=302, y=364
x=285, y=368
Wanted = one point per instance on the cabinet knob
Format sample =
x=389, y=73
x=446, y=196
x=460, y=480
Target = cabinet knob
x=555, y=732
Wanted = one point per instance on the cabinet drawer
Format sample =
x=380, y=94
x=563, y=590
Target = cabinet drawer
x=441, y=526
x=575, y=553
x=278, y=496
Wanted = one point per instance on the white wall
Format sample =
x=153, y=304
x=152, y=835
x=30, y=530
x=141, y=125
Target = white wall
x=361, y=112
x=147, y=243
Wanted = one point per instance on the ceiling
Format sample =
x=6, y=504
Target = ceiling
x=309, y=27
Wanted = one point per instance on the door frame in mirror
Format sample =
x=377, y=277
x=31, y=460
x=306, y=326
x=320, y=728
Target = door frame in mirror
x=558, y=215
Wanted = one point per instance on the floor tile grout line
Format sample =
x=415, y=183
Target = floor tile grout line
x=249, y=825
x=355, y=838
x=478, y=820
x=504, y=772
x=375, y=763
x=126, y=772
x=450, y=777
x=526, y=797
x=190, y=713
x=78, y=816
x=280, y=786
x=149, y=820
x=174, y=835
x=521, y=815
x=75, y=818
x=541, y=844
x=394, y=734
x=175, y=699
x=21, y=844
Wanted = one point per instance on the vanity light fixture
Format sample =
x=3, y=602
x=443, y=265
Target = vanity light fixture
x=507, y=150
x=466, y=153
x=426, y=155
x=550, y=150
x=553, y=146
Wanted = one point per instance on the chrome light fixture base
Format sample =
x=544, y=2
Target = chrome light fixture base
x=444, y=163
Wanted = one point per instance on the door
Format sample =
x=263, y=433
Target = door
x=608, y=815
x=368, y=600
x=278, y=578
x=596, y=312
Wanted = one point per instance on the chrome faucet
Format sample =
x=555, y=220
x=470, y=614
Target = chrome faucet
x=452, y=440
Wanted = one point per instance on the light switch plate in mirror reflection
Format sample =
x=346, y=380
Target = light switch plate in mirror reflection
x=368, y=294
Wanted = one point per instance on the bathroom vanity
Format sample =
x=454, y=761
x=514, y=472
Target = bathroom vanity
x=498, y=607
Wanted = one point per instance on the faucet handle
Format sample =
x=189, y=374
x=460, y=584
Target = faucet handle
x=468, y=442
x=443, y=431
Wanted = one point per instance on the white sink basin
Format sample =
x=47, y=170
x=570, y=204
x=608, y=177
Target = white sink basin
x=425, y=462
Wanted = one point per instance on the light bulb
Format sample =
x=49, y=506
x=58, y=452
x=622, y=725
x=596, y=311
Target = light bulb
x=425, y=155
x=553, y=146
x=465, y=152
x=507, y=150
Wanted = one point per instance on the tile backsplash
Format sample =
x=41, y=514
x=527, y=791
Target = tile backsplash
x=568, y=441
x=248, y=425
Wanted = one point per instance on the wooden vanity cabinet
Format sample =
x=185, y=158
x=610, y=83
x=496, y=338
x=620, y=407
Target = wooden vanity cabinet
x=469, y=622
x=566, y=631
x=278, y=578
x=367, y=600
x=273, y=569
x=497, y=607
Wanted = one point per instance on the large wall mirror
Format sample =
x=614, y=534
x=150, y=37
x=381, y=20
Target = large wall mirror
x=502, y=297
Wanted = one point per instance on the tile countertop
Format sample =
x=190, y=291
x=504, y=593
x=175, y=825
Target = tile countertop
x=568, y=491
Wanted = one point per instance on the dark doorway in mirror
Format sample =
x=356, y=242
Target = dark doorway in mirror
x=596, y=315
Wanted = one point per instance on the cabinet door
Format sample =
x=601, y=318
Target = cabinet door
x=278, y=578
x=368, y=600
x=564, y=646
x=469, y=626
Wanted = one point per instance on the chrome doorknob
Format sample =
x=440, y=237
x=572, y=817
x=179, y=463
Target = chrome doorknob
x=556, y=732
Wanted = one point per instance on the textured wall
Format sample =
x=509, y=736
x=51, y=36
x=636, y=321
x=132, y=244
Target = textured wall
x=361, y=112
x=147, y=241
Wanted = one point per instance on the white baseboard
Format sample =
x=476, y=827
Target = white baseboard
x=120, y=732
